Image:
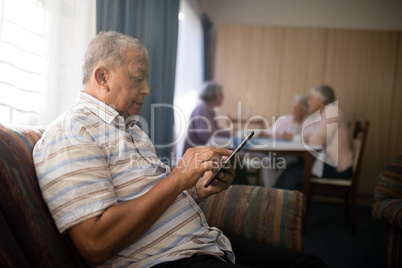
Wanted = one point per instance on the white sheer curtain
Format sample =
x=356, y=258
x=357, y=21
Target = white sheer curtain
x=41, y=46
x=189, y=68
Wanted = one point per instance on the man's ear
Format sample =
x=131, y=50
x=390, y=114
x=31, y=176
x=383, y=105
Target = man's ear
x=101, y=75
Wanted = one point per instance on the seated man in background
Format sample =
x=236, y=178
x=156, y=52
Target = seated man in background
x=332, y=133
x=289, y=127
x=107, y=189
x=202, y=120
x=329, y=130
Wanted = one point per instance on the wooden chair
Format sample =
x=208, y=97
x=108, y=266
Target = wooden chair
x=347, y=186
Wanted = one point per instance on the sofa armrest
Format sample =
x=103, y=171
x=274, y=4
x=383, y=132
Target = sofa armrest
x=389, y=185
x=388, y=211
x=267, y=215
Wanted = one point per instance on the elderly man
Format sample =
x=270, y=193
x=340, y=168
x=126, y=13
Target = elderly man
x=287, y=127
x=106, y=188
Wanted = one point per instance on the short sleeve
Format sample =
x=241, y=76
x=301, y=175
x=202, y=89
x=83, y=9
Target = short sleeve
x=327, y=127
x=280, y=126
x=73, y=175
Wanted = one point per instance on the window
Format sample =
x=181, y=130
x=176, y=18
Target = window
x=189, y=68
x=21, y=60
x=41, y=46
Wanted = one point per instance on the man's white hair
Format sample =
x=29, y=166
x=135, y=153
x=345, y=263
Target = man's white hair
x=109, y=49
x=303, y=99
x=324, y=93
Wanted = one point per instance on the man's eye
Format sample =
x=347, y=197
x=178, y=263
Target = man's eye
x=138, y=79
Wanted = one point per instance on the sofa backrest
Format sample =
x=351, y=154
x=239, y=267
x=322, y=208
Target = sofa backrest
x=28, y=234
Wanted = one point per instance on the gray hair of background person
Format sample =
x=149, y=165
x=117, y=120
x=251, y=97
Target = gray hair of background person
x=108, y=48
x=303, y=99
x=210, y=91
x=324, y=93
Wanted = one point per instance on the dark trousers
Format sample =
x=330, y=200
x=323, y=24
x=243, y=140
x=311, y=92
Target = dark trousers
x=292, y=177
x=251, y=254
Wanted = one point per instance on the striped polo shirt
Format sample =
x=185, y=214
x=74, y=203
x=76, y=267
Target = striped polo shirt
x=90, y=159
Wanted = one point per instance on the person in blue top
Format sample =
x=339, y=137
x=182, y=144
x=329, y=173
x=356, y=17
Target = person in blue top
x=202, y=123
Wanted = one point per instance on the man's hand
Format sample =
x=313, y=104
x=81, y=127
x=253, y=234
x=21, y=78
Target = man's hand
x=219, y=184
x=196, y=161
x=287, y=136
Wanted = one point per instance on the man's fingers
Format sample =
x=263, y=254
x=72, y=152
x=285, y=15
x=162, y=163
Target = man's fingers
x=213, y=150
x=225, y=179
x=210, y=156
x=228, y=169
x=210, y=165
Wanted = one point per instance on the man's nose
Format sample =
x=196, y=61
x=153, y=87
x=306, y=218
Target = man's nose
x=146, y=91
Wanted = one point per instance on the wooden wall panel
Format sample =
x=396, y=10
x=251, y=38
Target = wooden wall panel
x=395, y=130
x=374, y=100
x=302, y=64
x=360, y=67
x=263, y=71
x=342, y=70
x=248, y=68
x=231, y=65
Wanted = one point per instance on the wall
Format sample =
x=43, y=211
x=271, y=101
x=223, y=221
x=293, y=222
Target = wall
x=362, y=14
x=356, y=14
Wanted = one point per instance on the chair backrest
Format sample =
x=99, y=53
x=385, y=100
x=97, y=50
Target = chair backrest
x=359, y=143
x=356, y=149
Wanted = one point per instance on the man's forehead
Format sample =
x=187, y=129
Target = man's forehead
x=138, y=68
x=138, y=64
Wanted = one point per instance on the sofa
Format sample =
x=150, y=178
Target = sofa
x=388, y=209
x=29, y=237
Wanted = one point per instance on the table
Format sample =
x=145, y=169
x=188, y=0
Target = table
x=267, y=145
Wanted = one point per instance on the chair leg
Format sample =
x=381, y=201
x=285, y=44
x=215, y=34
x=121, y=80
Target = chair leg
x=353, y=205
x=346, y=206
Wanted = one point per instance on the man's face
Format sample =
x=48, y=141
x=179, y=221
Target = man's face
x=298, y=110
x=314, y=103
x=128, y=84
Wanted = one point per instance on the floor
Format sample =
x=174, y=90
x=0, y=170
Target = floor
x=329, y=237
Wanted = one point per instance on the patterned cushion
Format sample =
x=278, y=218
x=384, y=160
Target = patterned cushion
x=388, y=193
x=389, y=184
x=388, y=209
x=267, y=215
x=28, y=234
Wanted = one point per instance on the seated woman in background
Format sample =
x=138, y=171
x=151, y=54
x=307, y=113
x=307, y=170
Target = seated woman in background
x=327, y=128
x=289, y=127
x=202, y=120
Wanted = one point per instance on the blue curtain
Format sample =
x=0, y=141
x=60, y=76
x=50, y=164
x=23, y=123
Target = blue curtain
x=155, y=24
x=206, y=26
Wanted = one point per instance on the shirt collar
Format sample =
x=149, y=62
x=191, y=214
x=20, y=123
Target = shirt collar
x=101, y=109
x=131, y=121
